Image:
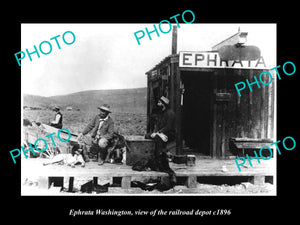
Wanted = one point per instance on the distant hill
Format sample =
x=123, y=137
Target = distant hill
x=120, y=100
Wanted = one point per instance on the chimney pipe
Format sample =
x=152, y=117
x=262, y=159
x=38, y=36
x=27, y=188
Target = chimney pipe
x=174, y=40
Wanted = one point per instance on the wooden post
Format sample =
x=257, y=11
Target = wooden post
x=71, y=184
x=263, y=112
x=271, y=108
x=126, y=182
x=178, y=112
x=149, y=87
x=257, y=180
x=175, y=99
x=223, y=140
x=95, y=181
x=214, y=120
x=43, y=182
x=191, y=182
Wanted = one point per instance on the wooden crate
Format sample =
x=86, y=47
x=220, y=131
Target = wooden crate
x=139, y=148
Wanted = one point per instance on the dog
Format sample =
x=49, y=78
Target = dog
x=116, y=149
x=69, y=159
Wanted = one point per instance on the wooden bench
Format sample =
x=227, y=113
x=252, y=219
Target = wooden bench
x=249, y=143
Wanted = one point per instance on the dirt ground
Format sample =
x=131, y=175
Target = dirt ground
x=75, y=121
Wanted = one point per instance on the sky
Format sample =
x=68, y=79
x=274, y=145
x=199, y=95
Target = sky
x=107, y=56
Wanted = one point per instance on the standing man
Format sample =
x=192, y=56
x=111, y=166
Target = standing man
x=102, y=129
x=57, y=122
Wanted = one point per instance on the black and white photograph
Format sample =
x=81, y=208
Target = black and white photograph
x=150, y=109
x=128, y=113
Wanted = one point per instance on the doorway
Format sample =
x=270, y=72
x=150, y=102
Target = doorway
x=197, y=111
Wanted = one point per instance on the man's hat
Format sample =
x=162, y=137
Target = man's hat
x=164, y=100
x=56, y=108
x=105, y=108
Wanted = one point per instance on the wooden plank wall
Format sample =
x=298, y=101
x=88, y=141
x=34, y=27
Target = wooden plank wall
x=248, y=116
x=252, y=114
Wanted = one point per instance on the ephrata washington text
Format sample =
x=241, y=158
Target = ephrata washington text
x=100, y=212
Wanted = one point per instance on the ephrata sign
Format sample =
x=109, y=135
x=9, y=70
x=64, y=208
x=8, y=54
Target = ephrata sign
x=211, y=59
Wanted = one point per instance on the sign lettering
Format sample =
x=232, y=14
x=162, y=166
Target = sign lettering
x=213, y=60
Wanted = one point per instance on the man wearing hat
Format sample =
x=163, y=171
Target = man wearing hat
x=102, y=129
x=57, y=122
x=164, y=130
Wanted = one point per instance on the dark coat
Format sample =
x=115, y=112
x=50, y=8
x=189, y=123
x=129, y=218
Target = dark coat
x=166, y=123
x=106, y=130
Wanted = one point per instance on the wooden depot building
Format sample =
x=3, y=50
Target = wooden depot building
x=209, y=112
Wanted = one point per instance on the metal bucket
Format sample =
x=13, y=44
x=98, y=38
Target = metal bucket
x=190, y=160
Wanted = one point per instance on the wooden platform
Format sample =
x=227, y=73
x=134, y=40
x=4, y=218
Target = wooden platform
x=204, y=167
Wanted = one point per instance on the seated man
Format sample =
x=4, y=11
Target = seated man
x=102, y=130
x=164, y=130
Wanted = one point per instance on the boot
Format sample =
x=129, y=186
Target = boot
x=100, y=161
